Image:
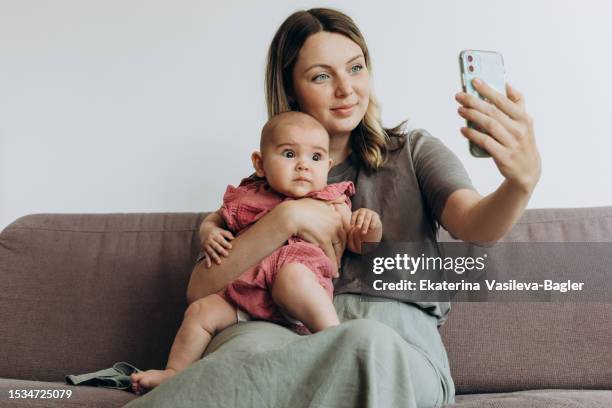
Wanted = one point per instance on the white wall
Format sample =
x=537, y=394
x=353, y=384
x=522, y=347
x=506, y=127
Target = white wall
x=125, y=106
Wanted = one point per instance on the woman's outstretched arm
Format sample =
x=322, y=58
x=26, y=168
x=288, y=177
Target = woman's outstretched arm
x=512, y=146
x=312, y=220
x=484, y=220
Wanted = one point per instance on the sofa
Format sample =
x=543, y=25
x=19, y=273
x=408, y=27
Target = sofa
x=81, y=292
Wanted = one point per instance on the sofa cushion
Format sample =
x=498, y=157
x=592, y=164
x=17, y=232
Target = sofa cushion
x=496, y=347
x=81, y=292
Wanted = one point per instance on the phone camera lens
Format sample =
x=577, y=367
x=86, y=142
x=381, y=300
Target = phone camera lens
x=469, y=58
x=471, y=68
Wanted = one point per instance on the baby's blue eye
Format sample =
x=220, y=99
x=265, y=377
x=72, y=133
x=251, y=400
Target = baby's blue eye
x=316, y=157
x=288, y=154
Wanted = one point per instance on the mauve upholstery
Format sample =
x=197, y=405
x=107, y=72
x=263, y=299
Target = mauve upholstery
x=500, y=347
x=83, y=291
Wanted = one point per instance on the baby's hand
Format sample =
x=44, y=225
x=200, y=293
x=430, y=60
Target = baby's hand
x=365, y=227
x=215, y=242
x=365, y=220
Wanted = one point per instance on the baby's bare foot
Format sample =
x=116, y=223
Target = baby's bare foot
x=147, y=380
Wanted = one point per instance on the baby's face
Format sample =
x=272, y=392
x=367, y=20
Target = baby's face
x=296, y=161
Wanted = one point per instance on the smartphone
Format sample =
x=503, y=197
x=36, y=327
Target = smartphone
x=488, y=66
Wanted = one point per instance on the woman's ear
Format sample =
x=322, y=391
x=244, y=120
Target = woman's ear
x=257, y=160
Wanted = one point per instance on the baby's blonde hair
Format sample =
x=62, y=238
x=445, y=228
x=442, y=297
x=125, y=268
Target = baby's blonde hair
x=300, y=119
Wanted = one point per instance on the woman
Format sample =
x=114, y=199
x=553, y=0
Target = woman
x=384, y=353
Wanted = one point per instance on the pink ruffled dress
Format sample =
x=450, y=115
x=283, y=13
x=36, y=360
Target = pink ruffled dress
x=251, y=292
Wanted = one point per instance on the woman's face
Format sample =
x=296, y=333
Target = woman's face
x=331, y=81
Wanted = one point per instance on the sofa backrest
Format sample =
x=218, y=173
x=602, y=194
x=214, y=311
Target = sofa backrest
x=494, y=346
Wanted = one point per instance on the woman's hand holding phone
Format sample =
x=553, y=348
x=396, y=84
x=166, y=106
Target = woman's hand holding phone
x=511, y=143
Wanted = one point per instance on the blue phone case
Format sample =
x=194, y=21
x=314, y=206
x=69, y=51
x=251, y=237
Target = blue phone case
x=488, y=66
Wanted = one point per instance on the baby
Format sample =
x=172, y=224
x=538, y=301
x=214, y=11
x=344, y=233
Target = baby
x=293, y=285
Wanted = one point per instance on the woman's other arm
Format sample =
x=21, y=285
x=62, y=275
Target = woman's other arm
x=312, y=220
x=247, y=250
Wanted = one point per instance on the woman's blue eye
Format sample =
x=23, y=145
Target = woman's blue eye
x=316, y=157
x=318, y=77
x=288, y=154
x=358, y=66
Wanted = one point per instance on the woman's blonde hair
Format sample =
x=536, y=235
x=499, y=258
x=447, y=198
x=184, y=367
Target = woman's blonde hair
x=369, y=140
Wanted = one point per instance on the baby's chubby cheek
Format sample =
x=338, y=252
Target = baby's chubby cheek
x=320, y=184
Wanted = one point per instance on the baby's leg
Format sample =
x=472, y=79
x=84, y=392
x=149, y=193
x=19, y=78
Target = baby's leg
x=297, y=290
x=203, y=318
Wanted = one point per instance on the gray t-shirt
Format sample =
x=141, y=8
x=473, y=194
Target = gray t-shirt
x=409, y=194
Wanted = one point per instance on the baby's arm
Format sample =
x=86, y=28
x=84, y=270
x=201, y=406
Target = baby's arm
x=365, y=226
x=215, y=238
